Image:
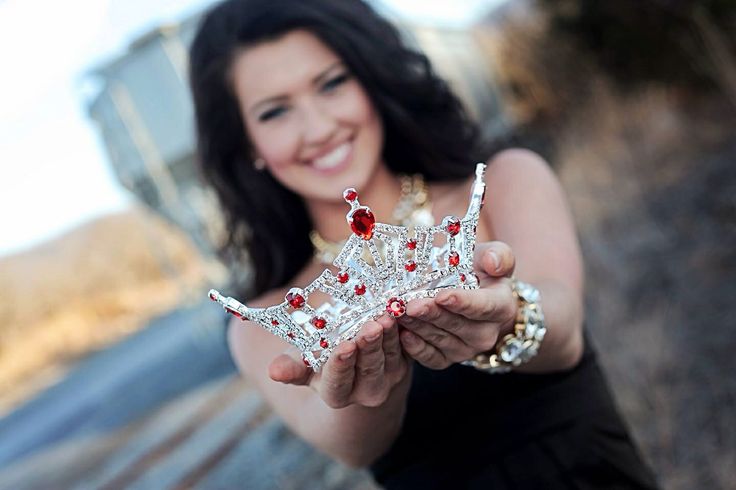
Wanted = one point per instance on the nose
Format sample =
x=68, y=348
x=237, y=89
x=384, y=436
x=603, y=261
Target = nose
x=318, y=124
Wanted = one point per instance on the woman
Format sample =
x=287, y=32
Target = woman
x=296, y=101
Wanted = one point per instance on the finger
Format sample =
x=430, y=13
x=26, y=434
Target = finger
x=285, y=369
x=494, y=303
x=429, y=311
x=461, y=327
x=423, y=352
x=391, y=345
x=370, y=363
x=338, y=375
x=495, y=259
x=453, y=348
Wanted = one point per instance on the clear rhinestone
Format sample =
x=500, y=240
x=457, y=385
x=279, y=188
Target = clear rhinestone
x=511, y=350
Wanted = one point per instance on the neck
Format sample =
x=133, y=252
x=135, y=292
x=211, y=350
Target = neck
x=380, y=193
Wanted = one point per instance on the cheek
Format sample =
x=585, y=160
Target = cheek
x=362, y=113
x=360, y=108
x=273, y=144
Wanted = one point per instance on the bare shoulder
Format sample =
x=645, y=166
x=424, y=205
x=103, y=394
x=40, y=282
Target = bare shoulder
x=518, y=164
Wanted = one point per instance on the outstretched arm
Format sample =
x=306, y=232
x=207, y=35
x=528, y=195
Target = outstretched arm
x=526, y=210
x=353, y=408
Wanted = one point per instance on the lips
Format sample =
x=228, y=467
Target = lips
x=334, y=158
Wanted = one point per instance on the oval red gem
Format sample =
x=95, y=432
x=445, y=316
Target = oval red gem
x=343, y=277
x=396, y=307
x=453, y=226
x=462, y=277
x=318, y=322
x=453, y=259
x=360, y=289
x=350, y=195
x=296, y=300
x=274, y=322
x=362, y=222
x=290, y=335
x=410, y=266
x=411, y=244
x=323, y=343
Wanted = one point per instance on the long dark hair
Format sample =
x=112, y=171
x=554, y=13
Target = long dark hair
x=426, y=128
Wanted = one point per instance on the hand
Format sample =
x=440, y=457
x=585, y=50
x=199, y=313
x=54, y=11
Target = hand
x=361, y=372
x=458, y=324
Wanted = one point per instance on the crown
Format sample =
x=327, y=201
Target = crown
x=380, y=268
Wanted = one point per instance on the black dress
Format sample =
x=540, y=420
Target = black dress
x=468, y=429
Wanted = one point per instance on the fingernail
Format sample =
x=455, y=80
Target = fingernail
x=422, y=312
x=496, y=261
x=345, y=357
x=373, y=337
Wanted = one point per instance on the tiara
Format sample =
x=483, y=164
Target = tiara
x=380, y=268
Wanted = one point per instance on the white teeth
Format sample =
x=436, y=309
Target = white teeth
x=333, y=158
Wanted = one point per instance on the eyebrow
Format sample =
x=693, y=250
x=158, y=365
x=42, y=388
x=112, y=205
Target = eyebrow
x=315, y=81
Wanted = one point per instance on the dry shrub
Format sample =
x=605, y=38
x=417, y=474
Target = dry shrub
x=86, y=289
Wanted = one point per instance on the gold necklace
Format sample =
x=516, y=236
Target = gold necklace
x=414, y=208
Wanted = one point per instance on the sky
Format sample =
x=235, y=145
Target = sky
x=54, y=172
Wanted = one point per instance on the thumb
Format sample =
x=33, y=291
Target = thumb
x=495, y=259
x=288, y=368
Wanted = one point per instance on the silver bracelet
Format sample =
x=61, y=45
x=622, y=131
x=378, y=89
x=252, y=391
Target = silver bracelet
x=518, y=347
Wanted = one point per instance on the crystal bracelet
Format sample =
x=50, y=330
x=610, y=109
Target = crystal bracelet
x=518, y=347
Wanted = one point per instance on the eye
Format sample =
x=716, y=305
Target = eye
x=271, y=113
x=335, y=82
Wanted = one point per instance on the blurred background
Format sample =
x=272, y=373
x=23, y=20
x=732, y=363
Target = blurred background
x=114, y=370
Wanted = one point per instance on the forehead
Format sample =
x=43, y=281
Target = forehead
x=280, y=65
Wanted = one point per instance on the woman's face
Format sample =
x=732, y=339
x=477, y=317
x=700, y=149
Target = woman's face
x=307, y=116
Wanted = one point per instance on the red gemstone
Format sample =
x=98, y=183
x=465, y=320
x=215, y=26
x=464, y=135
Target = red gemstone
x=411, y=244
x=234, y=312
x=290, y=335
x=318, y=322
x=274, y=322
x=213, y=297
x=396, y=307
x=323, y=343
x=343, y=277
x=350, y=195
x=362, y=222
x=453, y=226
x=304, y=359
x=454, y=259
x=462, y=277
x=410, y=266
x=296, y=300
x=360, y=290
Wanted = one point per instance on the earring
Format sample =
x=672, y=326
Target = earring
x=259, y=164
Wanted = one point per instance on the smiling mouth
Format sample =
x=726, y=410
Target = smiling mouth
x=334, y=158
